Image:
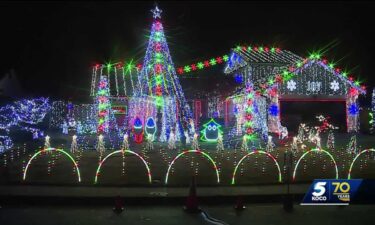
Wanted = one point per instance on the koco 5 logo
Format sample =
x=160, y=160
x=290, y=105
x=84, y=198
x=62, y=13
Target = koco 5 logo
x=319, y=191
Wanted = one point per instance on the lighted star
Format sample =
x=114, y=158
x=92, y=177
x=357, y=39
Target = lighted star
x=156, y=12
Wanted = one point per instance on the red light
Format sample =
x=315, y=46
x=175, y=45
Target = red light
x=219, y=60
x=206, y=63
x=180, y=70
x=193, y=67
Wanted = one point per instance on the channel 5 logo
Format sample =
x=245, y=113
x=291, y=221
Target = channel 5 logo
x=331, y=192
x=320, y=193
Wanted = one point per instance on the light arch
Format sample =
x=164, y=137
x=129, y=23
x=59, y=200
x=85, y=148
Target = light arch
x=193, y=151
x=123, y=151
x=256, y=152
x=355, y=159
x=316, y=150
x=55, y=150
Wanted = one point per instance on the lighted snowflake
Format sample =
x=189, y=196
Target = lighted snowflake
x=334, y=85
x=291, y=85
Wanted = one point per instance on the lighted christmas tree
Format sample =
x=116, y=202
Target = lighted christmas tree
x=195, y=144
x=158, y=80
x=150, y=142
x=331, y=140
x=172, y=141
x=294, y=145
x=100, y=145
x=352, y=145
x=47, y=143
x=244, y=146
x=220, y=144
x=270, y=145
x=103, y=106
x=74, y=145
x=125, y=142
x=187, y=137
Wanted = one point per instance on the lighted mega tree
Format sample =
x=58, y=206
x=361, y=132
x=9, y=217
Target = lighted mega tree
x=158, y=81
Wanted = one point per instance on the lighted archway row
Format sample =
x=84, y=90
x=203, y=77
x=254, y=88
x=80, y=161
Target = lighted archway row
x=315, y=150
x=355, y=159
x=56, y=150
x=123, y=151
x=256, y=152
x=193, y=151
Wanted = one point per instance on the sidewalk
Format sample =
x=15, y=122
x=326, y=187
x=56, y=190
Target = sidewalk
x=102, y=192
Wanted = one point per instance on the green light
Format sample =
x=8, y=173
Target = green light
x=213, y=62
x=187, y=69
x=273, y=50
x=312, y=56
x=159, y=101
x=249, y=124
x=225, y=58
x=331, y=65
x=200, y=65
x=250, y=137
x=249, y=49
x=158, y=55
x=238, y=48
x=285, y=73
x=209, y=125
x=270, y=81
x=317, y=56
x=357, y=83
x=299, y=64
x=261, y=49
x=344, y=74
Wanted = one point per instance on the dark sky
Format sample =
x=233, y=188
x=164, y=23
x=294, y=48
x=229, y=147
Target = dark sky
x=52, y=46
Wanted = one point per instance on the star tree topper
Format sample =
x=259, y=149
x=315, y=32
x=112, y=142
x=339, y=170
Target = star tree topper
x=156, y=12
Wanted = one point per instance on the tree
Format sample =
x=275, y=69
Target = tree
x=159, y=81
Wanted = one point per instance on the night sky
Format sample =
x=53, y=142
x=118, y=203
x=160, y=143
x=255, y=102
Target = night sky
x=52, y=46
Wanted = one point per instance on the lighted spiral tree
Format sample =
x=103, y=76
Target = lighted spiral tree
x=103, y=106
x=159, y=81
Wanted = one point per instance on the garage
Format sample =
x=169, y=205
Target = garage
x=294, y=112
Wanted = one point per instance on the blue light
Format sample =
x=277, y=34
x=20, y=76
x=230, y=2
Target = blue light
x=238, y=78
x=273, y=110
x=137, y=123
x=150, y=122
x=353, y=109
